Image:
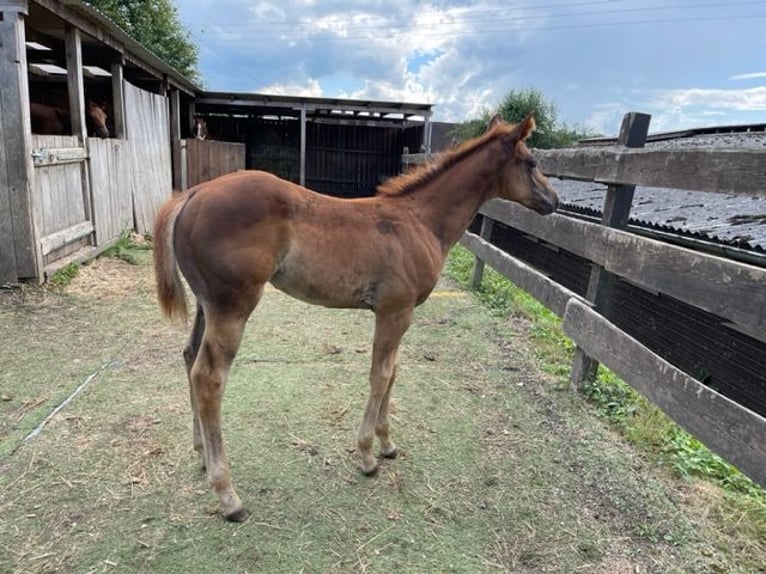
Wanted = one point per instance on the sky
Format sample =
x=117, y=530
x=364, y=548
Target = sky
x=688, y=63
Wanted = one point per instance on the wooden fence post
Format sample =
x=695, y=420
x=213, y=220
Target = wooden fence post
x=478, y=264
x=616, y=212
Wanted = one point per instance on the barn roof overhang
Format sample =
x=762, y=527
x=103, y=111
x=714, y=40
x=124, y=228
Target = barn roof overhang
x=337, y=109
x=98, y=31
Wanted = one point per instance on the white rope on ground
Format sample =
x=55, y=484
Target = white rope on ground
x=76, y=392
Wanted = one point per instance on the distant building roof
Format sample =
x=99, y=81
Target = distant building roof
x=728, y=220
x=441, y=136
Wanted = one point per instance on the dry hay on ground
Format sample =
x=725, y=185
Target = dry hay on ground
x=109, y=278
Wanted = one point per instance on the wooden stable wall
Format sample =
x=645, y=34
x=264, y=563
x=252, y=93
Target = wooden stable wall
x=208, y=159
x=86, y=197
x=727, y=289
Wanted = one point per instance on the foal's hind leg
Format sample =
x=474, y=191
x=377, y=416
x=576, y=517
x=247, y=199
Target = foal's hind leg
x=190, y=355
x=218, y=347
x=389, y=329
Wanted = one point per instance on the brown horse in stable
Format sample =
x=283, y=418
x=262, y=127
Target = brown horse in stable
x=52, y=120
x=232, y=235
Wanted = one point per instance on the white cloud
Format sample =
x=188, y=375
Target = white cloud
x=750, y=100
x=311, y=88
x=749, y=76
x=465, y=55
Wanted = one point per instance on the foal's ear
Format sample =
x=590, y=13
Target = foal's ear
x=522, y=130
x=496, y=119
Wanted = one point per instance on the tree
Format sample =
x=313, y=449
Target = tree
x=516, y=106
x=156, y=25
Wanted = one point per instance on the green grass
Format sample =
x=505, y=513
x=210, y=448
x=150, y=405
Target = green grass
x=129, y=249
x=64, y=276
x=642, y=424
x=501, y=467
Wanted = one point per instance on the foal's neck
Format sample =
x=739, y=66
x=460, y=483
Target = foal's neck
x=448, y=204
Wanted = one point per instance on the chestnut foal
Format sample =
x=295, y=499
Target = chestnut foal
x=232, y=235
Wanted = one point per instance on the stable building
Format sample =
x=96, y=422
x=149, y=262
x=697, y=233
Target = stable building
x=67, y=194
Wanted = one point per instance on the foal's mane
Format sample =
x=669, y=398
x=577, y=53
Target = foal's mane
x=425, y=174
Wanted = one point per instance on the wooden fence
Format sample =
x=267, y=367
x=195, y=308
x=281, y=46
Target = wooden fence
x=208, y=159
x=729, y=289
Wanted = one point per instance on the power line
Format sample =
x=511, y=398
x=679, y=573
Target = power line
x=504, y=30
x=352, y=29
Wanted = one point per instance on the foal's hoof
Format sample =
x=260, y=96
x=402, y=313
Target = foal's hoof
x=238, y=515
x=370, y=472
x=393, y=454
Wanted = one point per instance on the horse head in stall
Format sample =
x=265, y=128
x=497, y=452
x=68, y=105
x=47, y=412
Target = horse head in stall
x=95, y=119
x=54, y=120
x=199, y=129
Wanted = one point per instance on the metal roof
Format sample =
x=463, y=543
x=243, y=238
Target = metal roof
x=734, y=221
x=238, y=101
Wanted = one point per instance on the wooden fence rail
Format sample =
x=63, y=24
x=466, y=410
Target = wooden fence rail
x=728, y=289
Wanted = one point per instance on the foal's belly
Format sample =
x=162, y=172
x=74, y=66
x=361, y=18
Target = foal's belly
x=318, y=291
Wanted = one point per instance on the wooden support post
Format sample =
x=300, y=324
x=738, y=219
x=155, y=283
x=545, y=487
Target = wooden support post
x=192, y=113
x=478, y=264
x=303, y=147
x=118, y=99
x=75, y=83
x=619, y=198
x=20, y=252
x=175, y=136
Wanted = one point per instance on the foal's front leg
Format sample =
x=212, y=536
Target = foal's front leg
x=389, y=329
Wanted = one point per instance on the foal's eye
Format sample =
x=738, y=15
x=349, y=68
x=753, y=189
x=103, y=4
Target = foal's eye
x=533, y=163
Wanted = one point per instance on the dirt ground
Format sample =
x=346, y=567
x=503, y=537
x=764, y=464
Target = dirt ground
x=503, y=468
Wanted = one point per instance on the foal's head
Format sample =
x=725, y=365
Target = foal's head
x=521, y=179
x=96, y=115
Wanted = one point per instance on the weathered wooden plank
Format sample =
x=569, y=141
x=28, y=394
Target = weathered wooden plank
x=734, y=432
x=149, y=142
x=721, y=170
x=615, y=213
x=112, y=190
x=75, y=84
x=576, y=236
x=740, y=171
x=726, y=288
x=478, y=264
x=545, y=290
x=720, y=286
x=118, y=99
x=20, y=223
x=56, y=240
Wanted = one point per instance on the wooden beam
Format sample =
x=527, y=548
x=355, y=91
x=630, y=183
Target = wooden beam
x=61, y=238
x=545, y=290
x=721, y=286
x=734, y=432
x=740, y=171
x=302, y=177
x=175, y=136
x=615, y=214
x=111, y=36
x=118, y=98
x=478, y=264
x=75, y=84
x=21, y=257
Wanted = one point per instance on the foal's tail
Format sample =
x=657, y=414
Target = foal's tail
x=170, y=288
